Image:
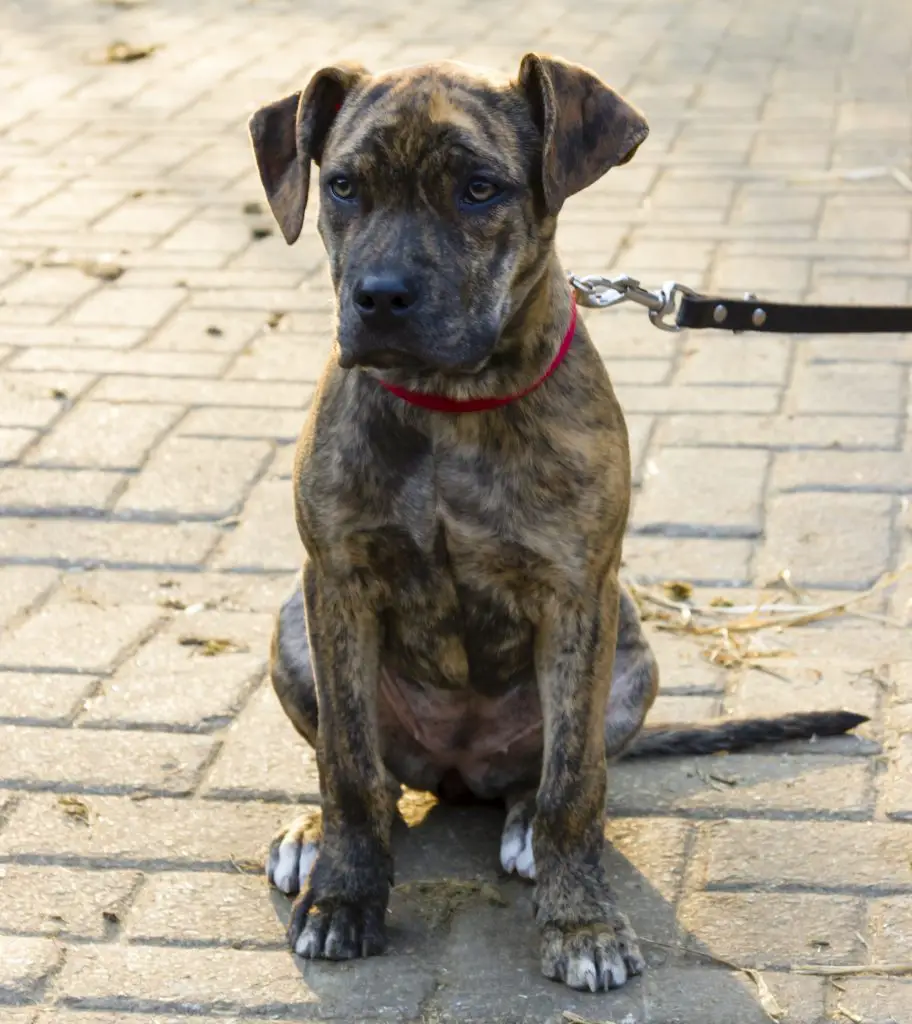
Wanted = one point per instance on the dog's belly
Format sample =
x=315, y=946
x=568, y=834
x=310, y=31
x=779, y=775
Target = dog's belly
x=459, y=738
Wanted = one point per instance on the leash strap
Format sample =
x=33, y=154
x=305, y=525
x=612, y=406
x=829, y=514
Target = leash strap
x=675, y=307
x=703, y=311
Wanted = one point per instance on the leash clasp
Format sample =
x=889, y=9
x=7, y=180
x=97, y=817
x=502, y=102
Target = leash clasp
x=596, y=292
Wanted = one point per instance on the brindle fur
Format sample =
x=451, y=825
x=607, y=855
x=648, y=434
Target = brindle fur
x=459, y=566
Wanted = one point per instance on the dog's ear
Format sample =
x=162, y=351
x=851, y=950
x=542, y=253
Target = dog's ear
x=290, y=133
x=587, y=128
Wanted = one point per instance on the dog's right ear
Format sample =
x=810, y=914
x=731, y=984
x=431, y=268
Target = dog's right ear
x=290, y=133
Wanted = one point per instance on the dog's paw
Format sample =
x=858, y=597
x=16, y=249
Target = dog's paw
x=595, y=957
x=341, y=912
x=336, y=931
x=516, y=846
x=292, y=854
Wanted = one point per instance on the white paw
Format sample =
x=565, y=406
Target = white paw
x=516, y=850
x=292, y=855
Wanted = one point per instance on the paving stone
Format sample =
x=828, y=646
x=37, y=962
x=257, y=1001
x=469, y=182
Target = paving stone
x=77, y=637
x=82, y=542
x=195, y=478
x=844, y=542
x=874, y=389
x=775, y=929
x=20, y=1015
x=700, y=561
x=811, y=679
x=123, y=762
x=59, y=286
x=277, y=425
x=267, y=538
x=36, y=399
x=263, y=757
x=42, y=698
x=216, y=909
x=675, y=399
x=177, y=680
x=729, y=361
x=170, y=590
x=26, y=965
x=184, y=364
x=193, y=330
x=898, y=797
x=719, y=997
x=754, y=785
x=683, y=667
x=190, y=835
x=64, y=902
x=671, y=709
x=105, y=435
x=281, y=357
x=889, y=472
x=128, y=307
x=254, y=394
x=855, y=220
x=877, y=1001
x=207, y=980
x=43, y=491
x=834, y=856
x=690, y=492
x=888, y=924
x=778, y=432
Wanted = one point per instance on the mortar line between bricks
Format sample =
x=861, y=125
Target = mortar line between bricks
x=239, y=506
x=65, y=406
x=182, y=865
x=66, y=310
x=765, y=496
x=156, y=443
x=796, y=889
x=280, y=1011
x=35, y=605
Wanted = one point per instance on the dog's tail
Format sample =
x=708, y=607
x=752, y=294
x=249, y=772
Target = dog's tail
x=739, y=734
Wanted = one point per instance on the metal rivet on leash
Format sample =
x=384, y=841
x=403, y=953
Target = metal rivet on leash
x=720, y=313
x=758, y=317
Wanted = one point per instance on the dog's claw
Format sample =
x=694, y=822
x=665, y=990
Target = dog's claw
x=292, y=855
x=595, y=958
x=516, y=848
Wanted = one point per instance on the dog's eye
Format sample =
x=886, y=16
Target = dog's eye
x=342, y=187
x=479, y=191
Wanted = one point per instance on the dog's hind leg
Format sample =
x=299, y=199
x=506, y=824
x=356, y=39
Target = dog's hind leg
x=634, y=683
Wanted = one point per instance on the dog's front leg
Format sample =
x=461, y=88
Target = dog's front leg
x=586, y=941
x=340, y=914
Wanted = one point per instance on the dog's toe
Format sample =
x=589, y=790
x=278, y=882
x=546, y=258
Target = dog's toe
x=292, y=854
x=595, y=958
x=516, y=847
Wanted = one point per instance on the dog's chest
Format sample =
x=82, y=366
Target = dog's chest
x=469, y=551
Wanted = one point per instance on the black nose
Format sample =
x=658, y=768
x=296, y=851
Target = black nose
x=384, y=300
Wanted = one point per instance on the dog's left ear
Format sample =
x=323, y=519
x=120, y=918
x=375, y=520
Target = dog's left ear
x=587, y=128
x=290, y=133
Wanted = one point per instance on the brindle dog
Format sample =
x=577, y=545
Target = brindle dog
x=460, y=625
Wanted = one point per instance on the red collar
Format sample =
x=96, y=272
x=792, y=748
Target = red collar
x=440, y=403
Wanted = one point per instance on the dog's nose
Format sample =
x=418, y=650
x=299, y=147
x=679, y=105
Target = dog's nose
x=384, y=300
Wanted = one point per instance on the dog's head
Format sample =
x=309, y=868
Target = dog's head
x=439, y=188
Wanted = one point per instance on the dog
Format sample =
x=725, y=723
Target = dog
x=461, y=489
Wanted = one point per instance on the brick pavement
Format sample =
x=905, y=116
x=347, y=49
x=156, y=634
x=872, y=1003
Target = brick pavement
x=158, y=346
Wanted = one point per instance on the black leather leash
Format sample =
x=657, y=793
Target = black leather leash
x=704, y=311
x=675, y=307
